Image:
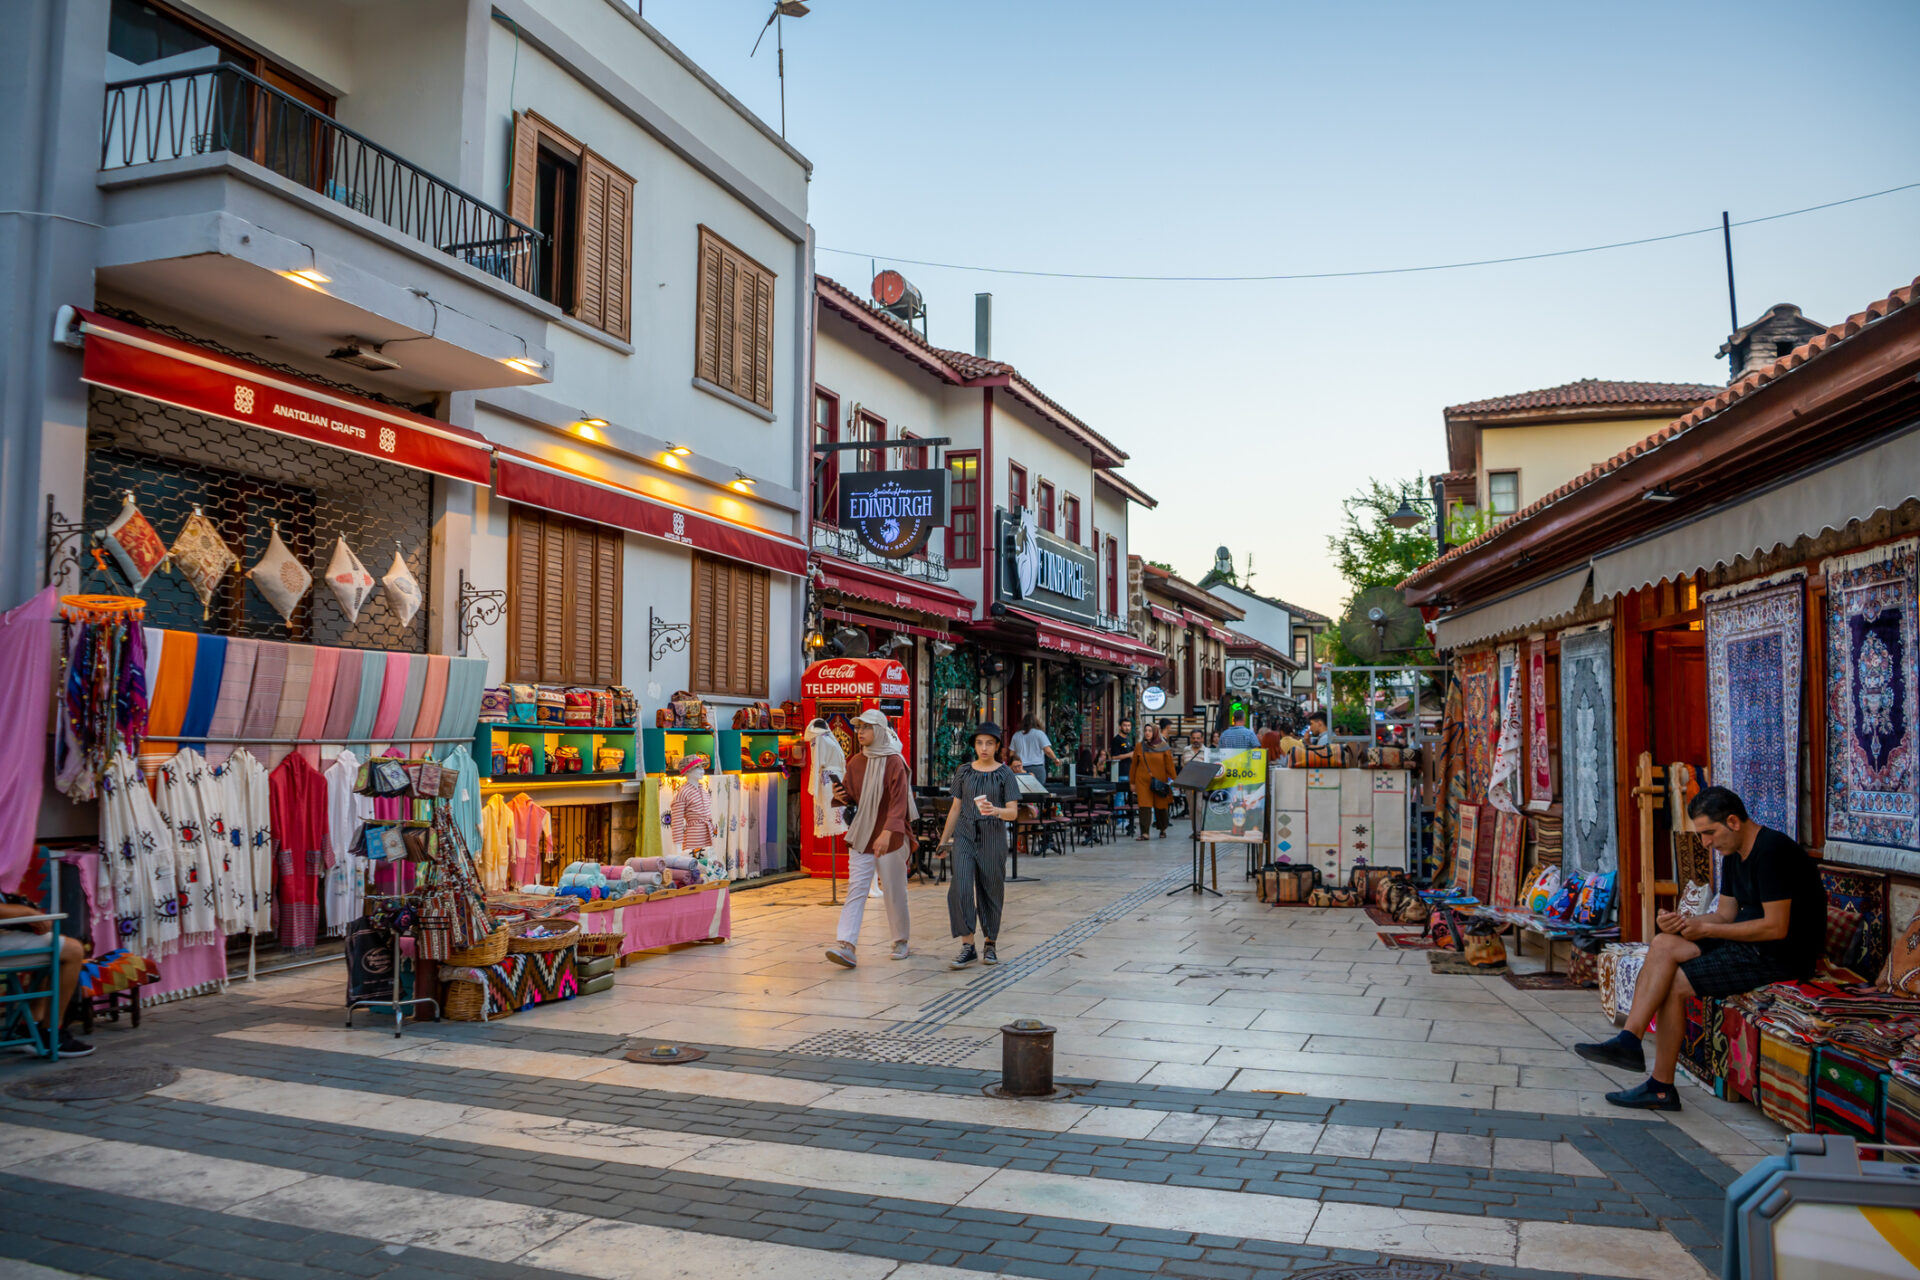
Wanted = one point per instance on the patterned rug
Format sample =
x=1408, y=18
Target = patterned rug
x=1539, y=763
x=1754, y=636
x=1407, y=941
x=1479, y=679
x=1873, y=712
x=1586, y=750
x=1380, y=915
x=1506, y=859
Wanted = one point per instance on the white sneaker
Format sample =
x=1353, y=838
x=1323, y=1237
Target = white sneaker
x=842, y=954
x=901, y=951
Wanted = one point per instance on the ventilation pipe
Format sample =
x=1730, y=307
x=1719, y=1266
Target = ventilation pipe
x=983, y=325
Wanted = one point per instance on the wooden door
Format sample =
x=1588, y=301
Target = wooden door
x=1676, y=721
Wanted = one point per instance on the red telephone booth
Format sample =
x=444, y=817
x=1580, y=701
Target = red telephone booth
x=837, y=691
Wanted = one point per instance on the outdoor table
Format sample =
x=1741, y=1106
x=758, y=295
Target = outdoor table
x=1210, y=842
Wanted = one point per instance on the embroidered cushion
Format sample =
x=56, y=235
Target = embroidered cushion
x=1843, y=929
x=602, y=708
x=1902, y=971
x=522, y=698
x=403, y=589
x=203, y=557
x=351, y=582
x=132, y=541
x=280, y=579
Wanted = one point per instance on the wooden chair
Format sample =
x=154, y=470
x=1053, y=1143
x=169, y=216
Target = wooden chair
x=26, y=976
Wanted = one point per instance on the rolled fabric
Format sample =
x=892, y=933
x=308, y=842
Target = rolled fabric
x=677, y=862
x=346, y=699
x=373, y=678
x=613, y=870
x=410, y=700
x=681, y=878
x=643, y=864
x=230, y=712
x=313, y=720
x=167, y=709
x=433, y=700
x=542, y=890
x=156, y=641
x=296, y=681
x=393, y=688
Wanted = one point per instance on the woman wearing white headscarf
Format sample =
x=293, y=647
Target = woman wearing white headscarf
x=878, y=785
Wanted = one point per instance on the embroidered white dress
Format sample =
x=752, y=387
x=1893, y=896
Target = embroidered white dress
x=177, y=795
x=250, y=822
x=139, y=851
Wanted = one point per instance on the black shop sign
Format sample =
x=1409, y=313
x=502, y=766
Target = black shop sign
x=892, y=512
x=1043, y=573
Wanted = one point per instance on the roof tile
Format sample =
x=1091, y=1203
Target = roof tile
x=1589, y=392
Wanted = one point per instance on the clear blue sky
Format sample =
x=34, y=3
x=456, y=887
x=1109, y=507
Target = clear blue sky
x=1220, y=138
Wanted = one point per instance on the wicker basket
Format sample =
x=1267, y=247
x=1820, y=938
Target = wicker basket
x=519, y=944
x=491, y=949
x=599, y=944
x=467, y=1002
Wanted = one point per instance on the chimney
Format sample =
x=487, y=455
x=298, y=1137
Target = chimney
x=1780, y=329
x=983, y=325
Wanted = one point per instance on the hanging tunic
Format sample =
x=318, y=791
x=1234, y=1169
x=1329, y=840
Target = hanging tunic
x=146, y=905
x=222, y=819
x=532, y=839
x=465, y=805
x=298, y=801
x=177, y=795
x=497, y=846
x=691, y=817
x=347, y=810
x=250, y=831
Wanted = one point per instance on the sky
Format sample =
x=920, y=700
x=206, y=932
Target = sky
x=1220, y=137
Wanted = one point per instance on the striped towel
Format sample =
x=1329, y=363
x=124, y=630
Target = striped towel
x=346, y=698
x=292, y=710
x=373, y=677
x=433, y=700
x=156, y=641
x=230, y=712
x=313, y=721
x=393, y=690
x=171, y=692
x=466, y=681
x=263, y=699
x=209, y=664
x=416, y=689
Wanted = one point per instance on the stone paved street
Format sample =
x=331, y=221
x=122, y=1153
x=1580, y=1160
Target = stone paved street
x=1257, y=1091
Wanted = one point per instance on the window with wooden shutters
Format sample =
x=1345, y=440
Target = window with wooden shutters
x=563, y=600
x=733, y=346
x=729, y=641
x=584, y=206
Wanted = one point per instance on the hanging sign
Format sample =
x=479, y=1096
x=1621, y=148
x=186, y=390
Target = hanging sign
x=892, y=512
x=1153, y=697
x=1042, y=572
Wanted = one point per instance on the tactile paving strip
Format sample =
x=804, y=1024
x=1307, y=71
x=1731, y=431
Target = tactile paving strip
x=876, y=1046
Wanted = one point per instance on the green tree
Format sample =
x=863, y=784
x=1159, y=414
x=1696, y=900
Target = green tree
x=1370, y=552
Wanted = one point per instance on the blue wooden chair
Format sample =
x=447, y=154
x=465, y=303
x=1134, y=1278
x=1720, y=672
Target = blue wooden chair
x=26, y=976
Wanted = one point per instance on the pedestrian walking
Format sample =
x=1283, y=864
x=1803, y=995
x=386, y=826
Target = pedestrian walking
x=1034, y=747
x=1237, y=737
x=1121, y=748
x=877, y=836
x=985, y=799
x=1153, y=770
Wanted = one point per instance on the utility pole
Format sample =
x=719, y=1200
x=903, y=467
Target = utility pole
x=1733, y=307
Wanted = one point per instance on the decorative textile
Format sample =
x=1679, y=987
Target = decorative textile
x=373, y=679
x=296, y=679
x=348, y=579
x=1902, y=1113
x=403, y=589
x=1479, y=679
x=1548, y=981
x=410, y=697
x=1738, y=1023
x=346, y=697
x=433, y=700
x=279, y=577
x=1506, y=859
x=1703, y=1046
x=692, y=816
x=1786, y=1077
x=1586, y=750
x=134, y=544
x=1694, y=862
x=460, y=710
x=26, y=659
x=250, y=831
x=550, y=976
x=177, y=795
x=1503, y=791
x=203, y=557
x=298, y=796
x=1753, y=641
x=1452, y=780
x=146, y=903
x=465, y=802
x=209, y=663
x=1873, y=709
x=1545, y=836
x=319, y=695
x=1619, y=971
x=1539, y=758
x=1466, y=847
x=393, y=690
x=1864, y=893
x=1846, y=1093
x=171, y=690
x=1390, y=842
x=230, y=711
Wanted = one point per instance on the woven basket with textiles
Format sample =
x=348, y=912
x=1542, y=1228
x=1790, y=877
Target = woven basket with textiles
x=518, y=943
x=490, y=950
x=599, y=944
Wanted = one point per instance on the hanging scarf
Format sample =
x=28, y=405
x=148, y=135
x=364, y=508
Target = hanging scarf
x=130, y=699
x=1503, y=790
x=873, y=787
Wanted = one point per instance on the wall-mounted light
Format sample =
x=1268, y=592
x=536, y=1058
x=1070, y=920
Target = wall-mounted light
x=678, y=450
x=815, y=640
x=743, y=482
x=525, y=364
x=310, y=277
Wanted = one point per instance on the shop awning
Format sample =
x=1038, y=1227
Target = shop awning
x=1172, y=617
x=1531, y=607
x=884, y=624
x=1208, y=625
x=140, y=362
x=880, y=587
x=1085, y=642
x=523, y=478
x=1878, y=477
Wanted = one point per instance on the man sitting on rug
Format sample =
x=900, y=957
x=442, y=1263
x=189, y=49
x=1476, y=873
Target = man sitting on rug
x=1769, y=926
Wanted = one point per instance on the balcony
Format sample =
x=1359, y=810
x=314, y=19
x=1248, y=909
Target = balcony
x=927, y=566
x=217, y=182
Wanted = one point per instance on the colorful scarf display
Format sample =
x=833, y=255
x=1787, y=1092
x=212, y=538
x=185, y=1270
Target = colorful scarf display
x=366, y=705
x=263, y=697
x=319, y=701
x=433, y=700
x=292, y=712
x=1503, y=789
x=236, y=686
x=209, y=663
x=393, y=689
x=1753, y=637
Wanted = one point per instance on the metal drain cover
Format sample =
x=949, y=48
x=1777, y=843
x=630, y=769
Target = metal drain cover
x=667, y=1055
x=876, y=1046
x=84, y=1083
x=1393, y=1270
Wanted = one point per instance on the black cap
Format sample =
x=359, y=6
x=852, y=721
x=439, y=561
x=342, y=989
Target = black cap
x=990, y=729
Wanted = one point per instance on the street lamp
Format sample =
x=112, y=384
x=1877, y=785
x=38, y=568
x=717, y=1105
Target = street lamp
x=1406, y=517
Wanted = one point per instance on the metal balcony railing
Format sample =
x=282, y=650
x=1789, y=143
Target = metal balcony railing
x=206, y=110
x=928, y=565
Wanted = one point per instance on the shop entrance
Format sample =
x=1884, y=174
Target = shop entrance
x=1662, y=653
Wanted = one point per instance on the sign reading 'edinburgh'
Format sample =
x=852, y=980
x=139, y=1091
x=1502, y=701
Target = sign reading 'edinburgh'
x=892, y=512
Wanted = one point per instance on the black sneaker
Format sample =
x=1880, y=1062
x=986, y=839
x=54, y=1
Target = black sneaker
x=966, y=957
x=1612, y=1053
x=1648, y=1095
x=992, y=956
x=72, y=1046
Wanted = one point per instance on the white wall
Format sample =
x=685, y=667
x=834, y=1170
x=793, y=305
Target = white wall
x=1266, y=622
x=1111, y=511
x=1019, y=437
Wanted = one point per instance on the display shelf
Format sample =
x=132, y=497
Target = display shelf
x=758, y=741
x=489, y=737
x=509, y=781
x=654, y=744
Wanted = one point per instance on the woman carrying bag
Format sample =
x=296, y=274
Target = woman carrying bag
x=985, y=800
x=1152, y=773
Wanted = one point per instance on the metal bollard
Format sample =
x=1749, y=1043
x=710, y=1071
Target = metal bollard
x=1026, y=1059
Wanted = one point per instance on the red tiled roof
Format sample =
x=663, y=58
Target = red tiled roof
x=1589, y=392
x=1722, y=400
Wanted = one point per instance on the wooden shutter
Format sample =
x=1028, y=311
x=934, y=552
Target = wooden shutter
x=523, y=596
x=605, y=246
x=524, y=180
x=606, y=616
x=762, y=394
x=563, y=600
x=707, y=344
x=729, y=650
x=733, y=348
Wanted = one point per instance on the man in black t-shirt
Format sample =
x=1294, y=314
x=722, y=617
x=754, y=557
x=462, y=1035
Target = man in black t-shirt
x=1121, y=748
x=1769, y=926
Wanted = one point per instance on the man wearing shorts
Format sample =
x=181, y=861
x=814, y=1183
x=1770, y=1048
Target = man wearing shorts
x=1769, y=926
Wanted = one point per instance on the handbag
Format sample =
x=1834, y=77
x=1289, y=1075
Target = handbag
x=1159, y=787
x=1485, y=949
x=426, y=782
x=389, y=778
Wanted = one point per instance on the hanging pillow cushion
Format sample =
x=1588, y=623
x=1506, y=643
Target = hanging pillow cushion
x=351, y=582
x=133, y=543
x=403, y=589
x=280, y=578
x=203, y=557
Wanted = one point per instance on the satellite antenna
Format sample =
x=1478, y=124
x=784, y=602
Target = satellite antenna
x=1380, y=623
x=781, y=9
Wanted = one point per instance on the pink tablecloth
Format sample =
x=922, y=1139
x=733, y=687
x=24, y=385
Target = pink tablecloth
x=189, y=972
x=665, y=922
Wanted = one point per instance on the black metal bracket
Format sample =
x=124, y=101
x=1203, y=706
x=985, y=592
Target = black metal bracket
x=664, y=637
x=478, y=609
x=66, y=543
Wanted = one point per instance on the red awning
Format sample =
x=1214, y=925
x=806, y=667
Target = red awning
x=126, y=357
x=524, y=478
x=1085, y=642
x=1172, y=616
x=1207, y=625
x=884, y=624
x=881, y=587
